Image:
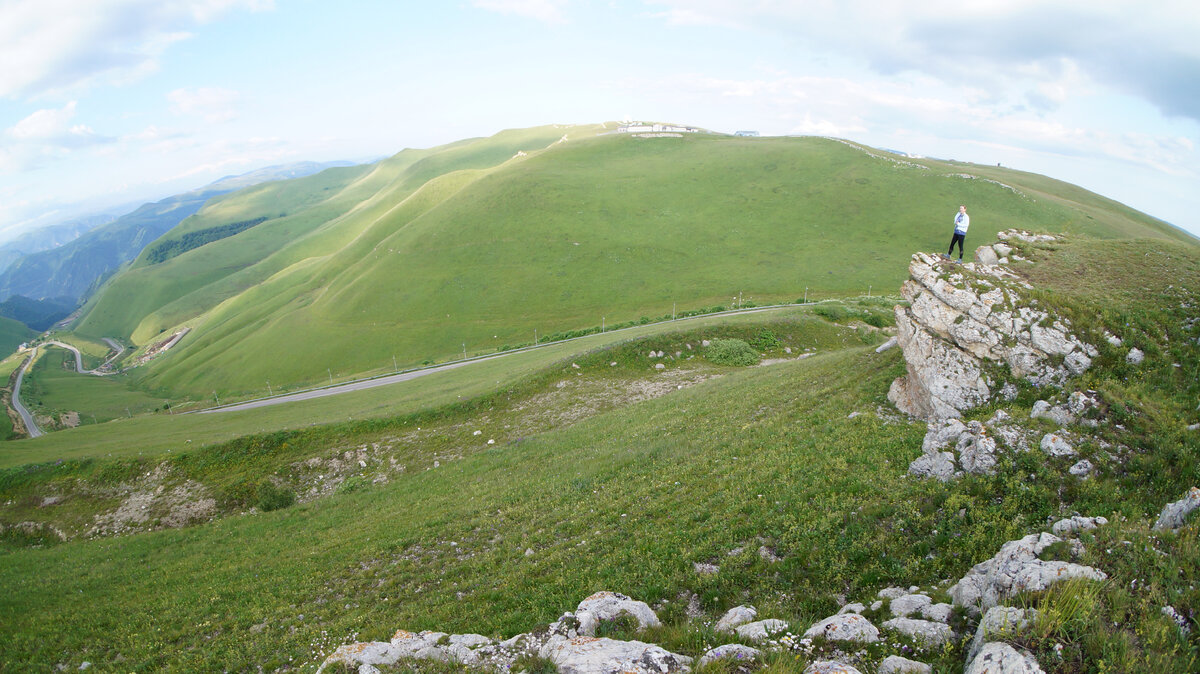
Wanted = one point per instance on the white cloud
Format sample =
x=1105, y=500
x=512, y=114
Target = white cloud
x=56, y=45
x=546, y=11
x=214, y=104
x=1039, y=51
x=43, y=134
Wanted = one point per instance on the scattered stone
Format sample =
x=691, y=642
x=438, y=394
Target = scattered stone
x=876, y=605
x=705, y=569
x=738, y=615
x=883, y=347
x=830, y=667
x=1015, y=568
x=1059, y=414
x=890, y=593
x=844, y=627
x=1000, y=622
x=739, y=652
x=1081, y=469
x=586, y=655
x=1000, y=658
x=1070, y=525
x=1055, y=444
x=705, y=343
x=856, y=607
x=1135, y=356
x=605, y=606
x=768, y=555
x=659, y=366
x=1112, y=339
x=926, y=632
x=1174, y=514
x=894, y=664
x=908, y=604
x=986, y=255
x=761, y=630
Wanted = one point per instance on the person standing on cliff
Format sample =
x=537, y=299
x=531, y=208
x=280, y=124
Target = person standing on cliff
x=961, y=222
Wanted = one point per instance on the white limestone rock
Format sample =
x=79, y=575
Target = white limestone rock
x=1135, y=356
x=942, y=433
x=844, y=627
x=939, y=612
x=1070, y=525
x=894, y=664
x=738, y=652
x=605, y=606
x=761, y=630
x=736, y=616
x=1081, y=469
x=883, y=347
x=908, y=604
x=1000, y=622
x=361, y=653
x=1058, y=414
x=830, y=667
x=856, y=607
x=938, y=465
x=892, y=593
x=589, y=655
x=927, y=633
x=986, y=255
x=1015, y=568
x=1055, y=444
x=976, y=451
x=1000, y=658
x=1173, y=515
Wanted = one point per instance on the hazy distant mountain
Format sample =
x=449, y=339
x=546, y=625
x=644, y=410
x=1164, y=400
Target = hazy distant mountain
x=74, y=269
x=53, y=236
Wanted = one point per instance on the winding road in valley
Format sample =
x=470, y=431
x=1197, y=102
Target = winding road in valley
x=30, y=425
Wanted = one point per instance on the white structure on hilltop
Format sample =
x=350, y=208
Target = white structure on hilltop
x=642, y=127
x=747, y=134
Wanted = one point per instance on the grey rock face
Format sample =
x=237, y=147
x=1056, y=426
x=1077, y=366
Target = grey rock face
x=1000, y=658
x=1174, y=514
x=844, y=627
x=738, y=615
x=952, y=324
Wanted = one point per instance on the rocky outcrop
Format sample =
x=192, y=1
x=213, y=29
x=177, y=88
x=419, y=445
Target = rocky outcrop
x=607, y=606
x=589, y=655
x=960, y=319
x=1175, y=514
x=1016, y=568
x=1000, y=622
x=844, y=627
x=736, y=652
x=735, y=617
x=1000, y=658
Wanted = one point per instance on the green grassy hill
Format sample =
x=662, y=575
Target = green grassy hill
x=12, y=333
x=612, y=488
x=470, y=247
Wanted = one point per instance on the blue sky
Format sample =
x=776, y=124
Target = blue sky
x=106, y=102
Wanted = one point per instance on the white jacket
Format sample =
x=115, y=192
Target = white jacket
x=961, y=222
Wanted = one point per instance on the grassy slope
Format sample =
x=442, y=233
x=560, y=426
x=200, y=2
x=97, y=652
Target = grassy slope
x=629, y=499
x=155, y=435
x=612, y=227
x=12, y=334
x=53, y=387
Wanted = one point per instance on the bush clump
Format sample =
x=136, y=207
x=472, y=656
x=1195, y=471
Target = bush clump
x=271, y=497
x=731, y=352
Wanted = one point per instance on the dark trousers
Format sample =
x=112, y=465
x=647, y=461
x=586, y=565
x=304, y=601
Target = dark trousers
x=958, y=238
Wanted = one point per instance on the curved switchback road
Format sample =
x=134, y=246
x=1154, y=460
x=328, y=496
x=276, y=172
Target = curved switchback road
x=384, y=380
x=30, y=426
